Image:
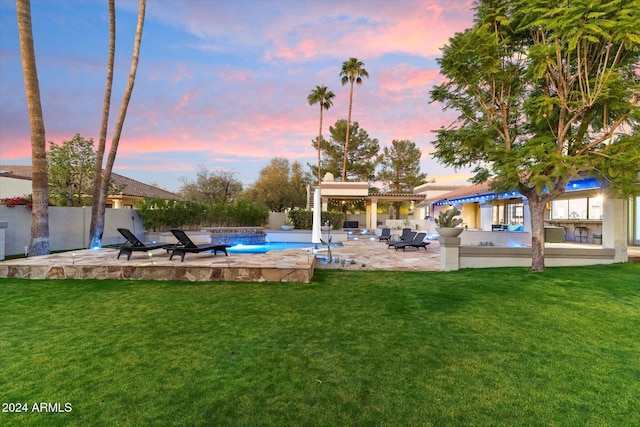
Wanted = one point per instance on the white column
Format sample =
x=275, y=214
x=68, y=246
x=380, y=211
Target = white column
x=486, y=218
x=526, y=215
x=614, y=228
x=374, y=214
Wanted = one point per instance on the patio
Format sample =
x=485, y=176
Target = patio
x=291, y=265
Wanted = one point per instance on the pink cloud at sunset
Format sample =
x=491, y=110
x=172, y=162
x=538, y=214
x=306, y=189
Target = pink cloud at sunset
x=224, y=84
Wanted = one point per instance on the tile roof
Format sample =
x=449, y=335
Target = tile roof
x=131, y=186
x=472, y=190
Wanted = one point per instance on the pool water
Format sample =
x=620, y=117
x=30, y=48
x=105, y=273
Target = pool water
x=272, y=246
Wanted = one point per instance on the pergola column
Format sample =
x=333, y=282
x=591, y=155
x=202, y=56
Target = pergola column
x=372, y=215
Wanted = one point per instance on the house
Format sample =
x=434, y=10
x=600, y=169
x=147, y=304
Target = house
x=583, y=214
x=15, y=180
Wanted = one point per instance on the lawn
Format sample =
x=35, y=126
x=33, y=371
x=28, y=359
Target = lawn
x=472, y=347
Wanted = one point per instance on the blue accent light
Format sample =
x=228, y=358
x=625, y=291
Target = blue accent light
x=575, y=185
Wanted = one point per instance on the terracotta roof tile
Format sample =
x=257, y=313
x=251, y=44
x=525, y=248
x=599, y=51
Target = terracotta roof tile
x=131, y=186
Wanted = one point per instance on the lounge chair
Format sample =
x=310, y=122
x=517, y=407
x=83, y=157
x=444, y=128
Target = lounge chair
x=385, y=235
x=408, y=237
x=185, y=245
x=133, y=244
x=417, y=242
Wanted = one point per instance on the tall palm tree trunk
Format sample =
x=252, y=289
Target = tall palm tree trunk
x=320, y=142
x=346, y=141
x=97, y=177
x=96, y=240
x=39, y=244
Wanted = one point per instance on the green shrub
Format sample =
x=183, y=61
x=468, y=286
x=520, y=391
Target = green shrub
x=161, y=215
x=303, y=219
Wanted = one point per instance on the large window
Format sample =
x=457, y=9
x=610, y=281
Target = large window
x=515, y=213
x=584, y=208
x=497, y=214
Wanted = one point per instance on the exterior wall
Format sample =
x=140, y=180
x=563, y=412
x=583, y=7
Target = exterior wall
x=68, y=227
x=510, y=239
x=484, y=257
x=14, y=187
x=471, y=215
x=3, y=228
x=123, y=202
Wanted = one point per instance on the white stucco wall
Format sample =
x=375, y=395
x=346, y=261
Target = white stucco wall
x=68, y=227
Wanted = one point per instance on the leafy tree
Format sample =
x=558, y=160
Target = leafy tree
x=352, y=72
x=323, y=96
x=280, y=186
x=546, y=91
x=97, y=212
x=39, y=244
x=211, y=187
x=362, y=157
x=71, y=171
x=401, y=168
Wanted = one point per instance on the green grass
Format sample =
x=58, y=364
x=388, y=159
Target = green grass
x=500, y=347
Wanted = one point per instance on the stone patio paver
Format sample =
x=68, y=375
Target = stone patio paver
x=291, y=265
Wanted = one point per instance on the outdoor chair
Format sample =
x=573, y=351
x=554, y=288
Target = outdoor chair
x=417, y=242
x=404, y=239
x=185, y=245
x=385, y=235
x=133, y=244
x=407, y=235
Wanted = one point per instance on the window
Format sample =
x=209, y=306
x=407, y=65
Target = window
x=584, y=208
x=595, y=207
x=497, y=214
x=577, y=208
x=515, y=213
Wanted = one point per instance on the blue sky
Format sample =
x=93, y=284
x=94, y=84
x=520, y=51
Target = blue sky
x=223, y=84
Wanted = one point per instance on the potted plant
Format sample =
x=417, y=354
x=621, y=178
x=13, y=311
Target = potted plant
x=287, y=224
x=447, y=223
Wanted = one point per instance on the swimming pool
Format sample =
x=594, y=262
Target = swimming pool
x=272, y=246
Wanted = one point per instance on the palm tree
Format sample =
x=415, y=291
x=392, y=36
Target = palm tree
x=39, y=244
x=352, y=72
x=97, y=177
x=96, y=238
x=324, y=97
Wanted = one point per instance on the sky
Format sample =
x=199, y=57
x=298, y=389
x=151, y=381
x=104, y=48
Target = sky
x=223, y=84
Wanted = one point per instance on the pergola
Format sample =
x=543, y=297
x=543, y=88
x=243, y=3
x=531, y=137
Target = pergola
x=330, y=189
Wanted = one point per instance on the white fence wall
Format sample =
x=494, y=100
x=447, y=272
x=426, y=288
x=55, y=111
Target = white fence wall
x=68, y=227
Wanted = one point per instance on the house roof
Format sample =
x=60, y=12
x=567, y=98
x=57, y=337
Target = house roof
x=139, y=189
x=18, y=172
x=131, y=187
x=472, y=190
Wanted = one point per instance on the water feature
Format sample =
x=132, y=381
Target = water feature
x=252, y=240
x=241, y=248
x=237, y=235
